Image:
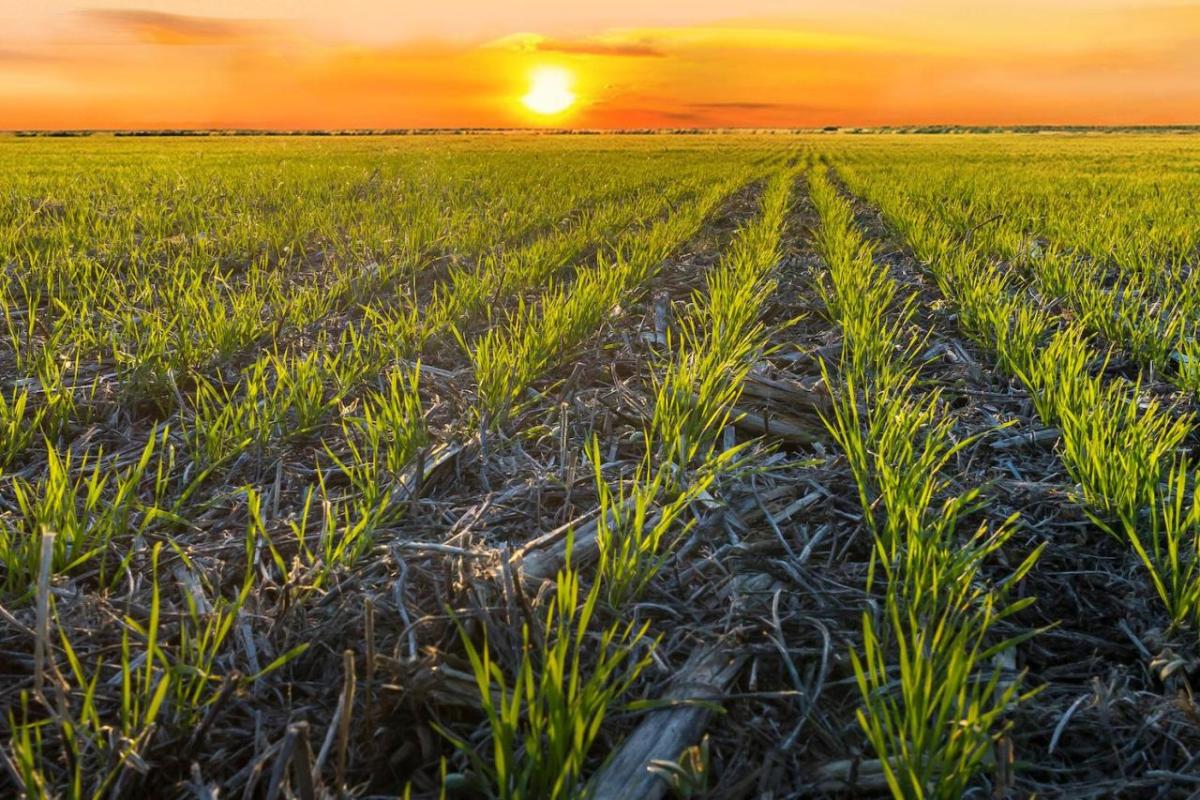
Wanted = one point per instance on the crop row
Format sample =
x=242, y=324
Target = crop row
x=1124, y=451
x=1116, y=250
x=540, y=738
x=85, y=520
x=934, y=688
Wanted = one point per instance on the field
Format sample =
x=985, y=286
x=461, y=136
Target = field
x=719, y=466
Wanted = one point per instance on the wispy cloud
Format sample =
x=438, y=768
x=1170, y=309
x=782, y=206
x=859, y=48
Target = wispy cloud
x=160, y=27
x=8, y=56
x=589, y=47
x=619, y=43
x=758, y=106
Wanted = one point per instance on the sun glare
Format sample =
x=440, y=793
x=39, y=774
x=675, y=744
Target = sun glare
x=549, y=91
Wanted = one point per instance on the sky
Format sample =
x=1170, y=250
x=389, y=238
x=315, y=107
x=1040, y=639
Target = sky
x=629, y=63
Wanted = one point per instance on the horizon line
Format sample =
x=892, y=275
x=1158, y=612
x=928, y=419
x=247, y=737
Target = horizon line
x=465, y=130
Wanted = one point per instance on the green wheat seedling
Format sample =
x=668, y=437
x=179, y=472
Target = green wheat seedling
x=280, y=398
x=100, y=743
x=1117, y=447
x=1114, y=445
x=896, y=453
x=999, y=321
x=343, y=535
x=544, y=719
x=19, y=424
x=220, y=426
x=94, y=510
x=394, y=331
x=1185, y=362
x=331, y=535
x=385, y=442
x=165, y=685
x=697, y=390
x=203, y=638
x=638, y=523
x=1166, y=538
x=934, y=704
x=508, y=359
x=27, y=752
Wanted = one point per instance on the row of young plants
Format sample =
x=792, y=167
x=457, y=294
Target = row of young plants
x=1125, y=452
x=1116, y=252
x=286, y=396
x=934, y=694
x=281, y=398
x=1124, y=202
x=100, y=523
x=515, y=350
x=576, y=666
x=377, y=458
x=384, y=437
x=144, y=326
x=95, y=520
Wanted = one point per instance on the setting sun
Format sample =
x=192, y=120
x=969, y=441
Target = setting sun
x=549, y=91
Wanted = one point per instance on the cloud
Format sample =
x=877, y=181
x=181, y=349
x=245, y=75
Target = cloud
x=608, y=45
x=28, y=62
x=750, y=106
x=590, y=47
x=160, y=27
x=640, y=115
x=19, y=56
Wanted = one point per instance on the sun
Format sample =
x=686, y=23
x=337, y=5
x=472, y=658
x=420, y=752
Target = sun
x=549, y=91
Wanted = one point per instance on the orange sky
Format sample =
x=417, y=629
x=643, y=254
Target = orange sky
x=451, y=63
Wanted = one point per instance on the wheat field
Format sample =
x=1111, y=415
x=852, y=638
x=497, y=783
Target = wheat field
x=517, y=466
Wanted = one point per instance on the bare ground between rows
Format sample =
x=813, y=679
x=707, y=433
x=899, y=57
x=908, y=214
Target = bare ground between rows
x=1104, y=723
